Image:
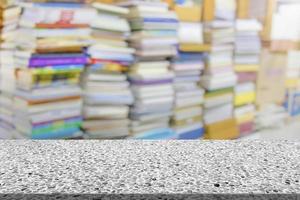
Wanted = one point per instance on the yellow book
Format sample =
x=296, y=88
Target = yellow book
x=188, y=13
x=246, y=68
x=223, y=130
x=245, y=118
x=244, y=98
x=194, y=47
x=291, y=83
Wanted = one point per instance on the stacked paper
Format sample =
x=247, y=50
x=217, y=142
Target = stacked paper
x=107, y=94
x=247, y=45
x=50, y=59
x=271, y=116
x=9, y=15
x=154, y=36
x=247, y=62
x=219, y=76
x=188, y=67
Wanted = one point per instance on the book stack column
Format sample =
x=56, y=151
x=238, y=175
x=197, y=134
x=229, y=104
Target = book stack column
x=247, y=61
x=219, y=78
x=292, y=84
x=107, y=94
x=188, y=67
x=154, y=37
x=50, y=58
x=9, y=15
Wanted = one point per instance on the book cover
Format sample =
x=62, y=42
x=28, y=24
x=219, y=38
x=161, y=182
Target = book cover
x=191, y=135
x=37, y=62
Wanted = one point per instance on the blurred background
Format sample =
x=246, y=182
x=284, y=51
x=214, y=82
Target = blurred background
x=150, y=69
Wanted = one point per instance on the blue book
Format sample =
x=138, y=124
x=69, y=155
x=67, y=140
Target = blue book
x=190, y=56
x=292, y=103
x=62, y=134
x=191, y=135
x=157, y=134
x=60, y=5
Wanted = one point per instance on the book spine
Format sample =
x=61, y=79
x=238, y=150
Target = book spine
x=37, y=62
x=160, y=20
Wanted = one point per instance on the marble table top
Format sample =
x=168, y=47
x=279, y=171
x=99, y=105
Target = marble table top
x=128, y=166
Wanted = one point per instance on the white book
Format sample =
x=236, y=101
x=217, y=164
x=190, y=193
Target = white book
x=49, y=115
x=20, y=104
x=248, y=25
x=157, y=94
x=51, y=15
x=43, y=33
x=96, y=86
x=153, y=42
x=109, y=112
x=149, y=126
x=188, y=113
x=49, y=93
x=242, y=110
x=148, y=71
x=108, y=134
x=110, y=23
x=110, y=8
x=194, y=101
x=244, y=87
x=106, y=77
x=95, y=123
x=152, y=88
x=143, y=12
x=152, y=64
x=216, y=114
x=190, y=93
x=156, y=100
x=154, y=6
x=217, y=101
x=153, y=116
x=168, y=75
x=109, y=48
x=189, y=32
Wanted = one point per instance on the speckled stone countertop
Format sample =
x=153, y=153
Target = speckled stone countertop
x=149, y=167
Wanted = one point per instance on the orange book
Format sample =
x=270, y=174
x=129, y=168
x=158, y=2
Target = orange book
x=188, y=13
x=73, y=49
x=243, y=9
x=208, y=10
x=61, y=25
x=194, y=47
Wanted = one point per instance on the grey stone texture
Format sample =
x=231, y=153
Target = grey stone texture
x=168, y=167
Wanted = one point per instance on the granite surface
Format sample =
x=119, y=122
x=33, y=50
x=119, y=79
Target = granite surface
x=149, y=167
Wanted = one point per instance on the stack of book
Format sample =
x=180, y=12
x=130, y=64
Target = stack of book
x=219, y=77
x=154, y=37
x=107, y=94
x=292, y=103
x=293, y=70
x=247, y=62
x=9, y=15
x=188, y=67
x=50, y=58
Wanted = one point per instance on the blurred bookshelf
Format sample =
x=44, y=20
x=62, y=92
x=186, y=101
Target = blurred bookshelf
x=148, y=69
